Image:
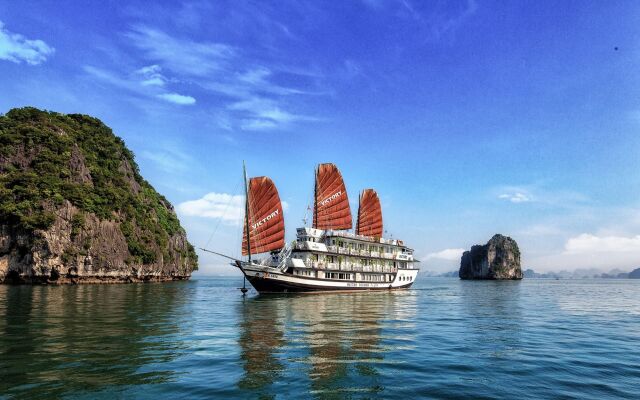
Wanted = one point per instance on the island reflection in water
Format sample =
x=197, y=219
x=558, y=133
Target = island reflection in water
x=335, y=341
x=73, y=339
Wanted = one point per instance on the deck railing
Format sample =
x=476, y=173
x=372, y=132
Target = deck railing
x=351, y=267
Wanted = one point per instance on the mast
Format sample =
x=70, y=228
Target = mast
x=315, y=198
x=246, y=210
x=359, y=205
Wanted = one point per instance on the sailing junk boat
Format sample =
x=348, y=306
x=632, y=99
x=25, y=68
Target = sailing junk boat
x=325, y=257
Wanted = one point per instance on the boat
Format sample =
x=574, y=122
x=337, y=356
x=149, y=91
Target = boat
x=326, y=256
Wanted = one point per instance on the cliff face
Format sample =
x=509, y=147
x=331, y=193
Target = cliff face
x=498, y=259
x=74, y=208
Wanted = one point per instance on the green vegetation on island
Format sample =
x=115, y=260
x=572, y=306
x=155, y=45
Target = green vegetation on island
x=48, y=159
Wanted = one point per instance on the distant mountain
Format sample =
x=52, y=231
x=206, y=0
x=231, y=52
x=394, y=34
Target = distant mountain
x=432, y=274
x=582, y=273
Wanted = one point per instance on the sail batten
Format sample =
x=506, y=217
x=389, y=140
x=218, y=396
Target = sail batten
x=265, y=218
x=369, y=214
x=331, y=205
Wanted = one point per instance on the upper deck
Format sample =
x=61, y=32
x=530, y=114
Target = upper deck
x=350, y=244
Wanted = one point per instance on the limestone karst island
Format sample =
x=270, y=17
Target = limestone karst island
x=74, y=207
x=498, y=259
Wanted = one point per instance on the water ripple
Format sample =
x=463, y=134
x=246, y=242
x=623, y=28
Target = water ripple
x=200, y=339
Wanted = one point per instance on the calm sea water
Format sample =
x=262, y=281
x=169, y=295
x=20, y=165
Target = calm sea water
x=443, y=339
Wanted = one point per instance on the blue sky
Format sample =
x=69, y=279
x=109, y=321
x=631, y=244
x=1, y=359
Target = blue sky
x=468, y=117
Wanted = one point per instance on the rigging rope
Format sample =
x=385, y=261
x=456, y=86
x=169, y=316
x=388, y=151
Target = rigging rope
x=224, y=213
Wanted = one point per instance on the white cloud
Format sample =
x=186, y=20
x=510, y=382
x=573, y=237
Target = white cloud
x=255, y=76
x=588, y=243
x=446, y=254
x=517, y=197
x=177, y=98
x=229, y=208
x=16, y=48
x=180, y=55
x=152, y=76
x=257, y=124
x=600, y=251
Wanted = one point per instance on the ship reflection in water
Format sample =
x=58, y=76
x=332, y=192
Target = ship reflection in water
x=335, y=341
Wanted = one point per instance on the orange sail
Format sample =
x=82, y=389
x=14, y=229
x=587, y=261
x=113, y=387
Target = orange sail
x=265, y=219
x=369, y=214
x=331, y=209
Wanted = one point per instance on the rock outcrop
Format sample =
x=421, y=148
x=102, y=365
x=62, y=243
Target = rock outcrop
x=498, y=259
x=74, y=208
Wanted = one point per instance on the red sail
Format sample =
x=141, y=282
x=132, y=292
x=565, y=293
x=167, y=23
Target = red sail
x=266, y=222
x=369, y=215
x=331, y=209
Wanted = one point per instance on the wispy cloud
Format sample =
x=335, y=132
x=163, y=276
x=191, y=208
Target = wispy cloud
x=17, y=48
x=540, y=194
x=449, y=24
x=252, y=99
x=258, y=79
x=111, y=78
x=183, y=56
x=140, y=83
x=177, y=98
x=542, y=229
x=152, y=76
x=248, y=93
x=261, y=113
x=168, y=159
x=435, y=19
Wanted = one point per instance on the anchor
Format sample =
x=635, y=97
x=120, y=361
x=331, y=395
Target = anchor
x=244, y=289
